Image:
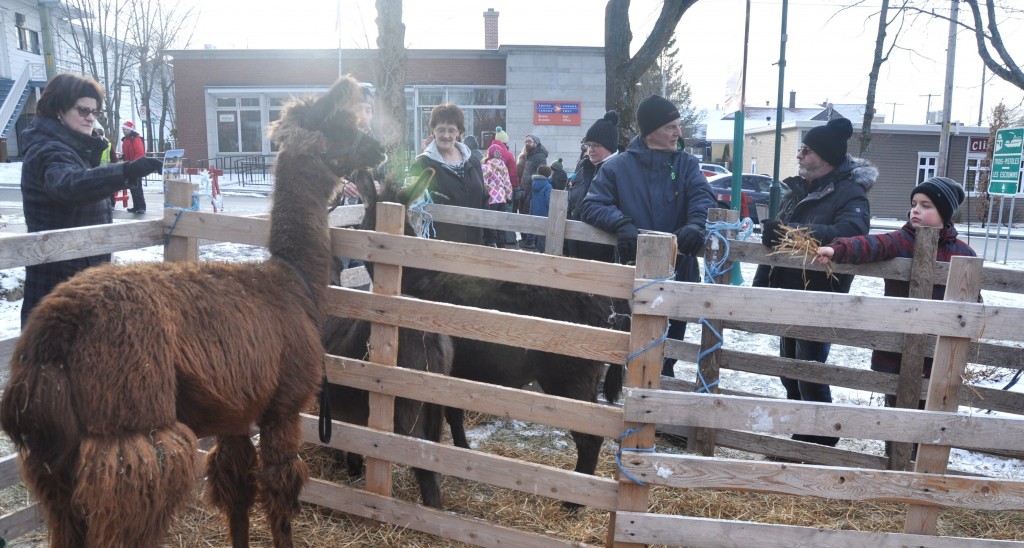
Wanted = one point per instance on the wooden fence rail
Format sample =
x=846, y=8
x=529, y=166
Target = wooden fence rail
x=736, y=420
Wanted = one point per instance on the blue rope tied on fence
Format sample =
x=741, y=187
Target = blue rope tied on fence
x=664, y=336
x=427, y=230
x=1013, y=381
x=713, y=268
x=704, y=386
x=618, y=454
x=177, y=216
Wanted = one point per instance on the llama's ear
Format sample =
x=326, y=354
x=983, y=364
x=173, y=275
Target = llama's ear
x=412, y=193
x=339, y=98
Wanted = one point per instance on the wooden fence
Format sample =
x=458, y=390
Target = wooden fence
x=725, y=419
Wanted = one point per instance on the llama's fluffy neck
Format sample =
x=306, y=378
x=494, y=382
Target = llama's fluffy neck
x=299, y=219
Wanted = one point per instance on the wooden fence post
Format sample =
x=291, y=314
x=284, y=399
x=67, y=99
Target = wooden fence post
x=178, y=193
x=554, y=241
x=908, y=391
x=655, y=259
x=383, y=346
x=708, y=366
x=963, y=284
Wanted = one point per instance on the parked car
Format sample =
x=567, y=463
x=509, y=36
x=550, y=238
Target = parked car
x=710, y=170
x=755, y=187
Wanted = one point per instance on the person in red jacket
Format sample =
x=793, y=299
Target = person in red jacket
x=133, y=147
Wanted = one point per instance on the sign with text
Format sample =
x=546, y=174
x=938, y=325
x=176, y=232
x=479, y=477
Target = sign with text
x=1006, y=159
x=556, y=113
x=977, y=145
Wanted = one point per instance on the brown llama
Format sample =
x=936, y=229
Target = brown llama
x=107, y=433
x=558, y=375
x=418, y=350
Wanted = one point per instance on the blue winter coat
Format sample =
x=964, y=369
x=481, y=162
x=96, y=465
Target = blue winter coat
x=662, y=191
x=541, y=200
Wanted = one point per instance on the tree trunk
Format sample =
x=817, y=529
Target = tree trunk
x=876, y=65
x=389, y=113
x=622, y=73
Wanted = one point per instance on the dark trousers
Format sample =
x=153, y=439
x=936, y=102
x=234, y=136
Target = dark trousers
x=805, y=390
x=138, y=197
x=495, y=236
x=676, y=330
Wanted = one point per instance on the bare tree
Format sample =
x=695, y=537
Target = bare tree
x=665, y=78
x=1005, y=67
x=158, y=27
x=876, y=67
x=390, y=115
x=96, y=31
x=622, y=72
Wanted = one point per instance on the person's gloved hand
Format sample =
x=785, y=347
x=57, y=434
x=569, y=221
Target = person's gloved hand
x=770, y=236
x=627, y=234
x=690, y=239
x=140, y=167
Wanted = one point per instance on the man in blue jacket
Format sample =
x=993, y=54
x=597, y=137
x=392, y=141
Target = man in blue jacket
x=653, y=186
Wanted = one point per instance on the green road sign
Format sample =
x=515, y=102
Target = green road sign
x=1006, y=158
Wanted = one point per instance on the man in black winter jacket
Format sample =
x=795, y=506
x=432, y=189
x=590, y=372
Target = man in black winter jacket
x=830, y=198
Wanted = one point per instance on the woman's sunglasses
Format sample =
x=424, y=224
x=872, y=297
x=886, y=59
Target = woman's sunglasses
x=84, y=112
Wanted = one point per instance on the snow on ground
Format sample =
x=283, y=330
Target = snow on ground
x=767, y=345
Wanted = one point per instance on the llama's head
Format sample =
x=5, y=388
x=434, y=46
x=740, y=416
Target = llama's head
x=327, y=128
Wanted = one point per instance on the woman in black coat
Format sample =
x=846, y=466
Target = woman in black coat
x=61, y=185
x=458, y=176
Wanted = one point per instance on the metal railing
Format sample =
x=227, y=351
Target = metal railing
x=14, y=96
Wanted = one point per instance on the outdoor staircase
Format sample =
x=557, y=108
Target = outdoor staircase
x=7, y=89
x=14, y=95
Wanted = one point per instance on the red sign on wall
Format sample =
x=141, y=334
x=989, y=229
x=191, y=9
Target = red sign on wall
x=556, y=113
x=977, y=145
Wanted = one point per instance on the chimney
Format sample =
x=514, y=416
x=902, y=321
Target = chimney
x=792, y=99
x=490, y=29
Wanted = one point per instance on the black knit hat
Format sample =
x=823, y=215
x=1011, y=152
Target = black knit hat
x=945, y=193
x=605, y=131
x=654, y=112
x=829, y=140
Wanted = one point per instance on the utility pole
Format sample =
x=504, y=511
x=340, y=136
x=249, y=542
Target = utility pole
x=47, y=31
x=981, y=104
x=928, y=109
x=947, y=93
x=894, y=105
x=775, y=194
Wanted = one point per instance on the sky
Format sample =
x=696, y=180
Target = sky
x=828, y=53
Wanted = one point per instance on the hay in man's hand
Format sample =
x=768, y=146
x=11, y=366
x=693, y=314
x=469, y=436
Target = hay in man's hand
x=798, y=242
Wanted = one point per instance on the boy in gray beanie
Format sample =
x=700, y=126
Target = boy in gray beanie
x=932, y=204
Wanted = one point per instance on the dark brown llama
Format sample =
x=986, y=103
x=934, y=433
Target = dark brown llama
x=418, y=350
x=107, y=433
x=558, y=375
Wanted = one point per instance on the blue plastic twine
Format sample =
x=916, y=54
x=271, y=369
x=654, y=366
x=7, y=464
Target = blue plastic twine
x=744, y=228
x=427, y=230
x=618, y=454
x=177, y=216
x=704, y=386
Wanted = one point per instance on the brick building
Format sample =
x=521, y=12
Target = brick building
x=226, y=98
